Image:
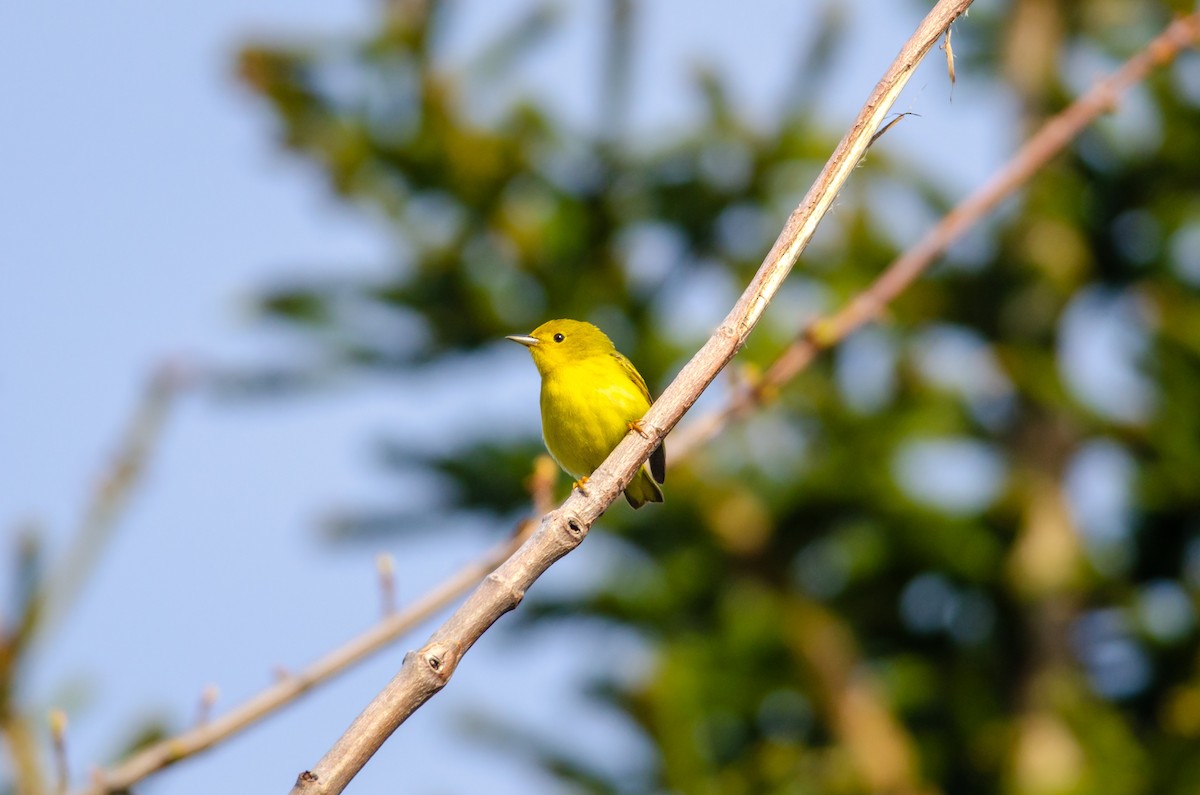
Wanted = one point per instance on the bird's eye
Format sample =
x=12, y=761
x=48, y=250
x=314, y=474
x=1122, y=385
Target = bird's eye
x=558, y=337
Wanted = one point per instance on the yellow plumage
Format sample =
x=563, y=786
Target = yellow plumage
x=591, y=397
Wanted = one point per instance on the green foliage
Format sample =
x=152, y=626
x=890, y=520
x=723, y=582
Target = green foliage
x=960, y=553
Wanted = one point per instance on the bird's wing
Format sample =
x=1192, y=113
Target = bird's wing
x=658, y=459
x=634, y=375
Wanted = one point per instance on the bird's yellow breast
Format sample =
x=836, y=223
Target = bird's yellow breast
x=586, y=410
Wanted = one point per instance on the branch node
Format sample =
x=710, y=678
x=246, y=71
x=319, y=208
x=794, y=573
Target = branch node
x=729, y=332
x=307, y=777
x=1163, y=52
x=175, y=751
x=575, y=528
x=822, y=333
x=506, y=587
x=441, y=660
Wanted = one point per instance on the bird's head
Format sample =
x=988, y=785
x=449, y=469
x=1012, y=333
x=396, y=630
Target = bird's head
x=559, y=342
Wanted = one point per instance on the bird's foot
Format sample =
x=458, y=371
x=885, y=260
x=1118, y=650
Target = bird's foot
x=581, y=484
x=637, y=425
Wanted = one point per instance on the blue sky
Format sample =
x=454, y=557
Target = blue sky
x=144, y=198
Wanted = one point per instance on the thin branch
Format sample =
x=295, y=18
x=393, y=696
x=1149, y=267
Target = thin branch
x=385, y=567
x=24, y=755
x=58, y=741
x=117, y=483
x=51, y=598
x=290, y=686
x=851, y=699
x=427, y=670
x=208, y=700
x=1048, y=142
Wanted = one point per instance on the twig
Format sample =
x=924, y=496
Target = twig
x=113, y=491
x=949, y=49
x=208, y=700
x=1053, y=137
x=849, y=696
x=290, y=686
x=427, y=670
x=385, y=567
x=50, y=599
x=25, y=754
x=58, y=739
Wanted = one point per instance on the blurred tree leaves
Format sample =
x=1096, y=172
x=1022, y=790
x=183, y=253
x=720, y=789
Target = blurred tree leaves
x=961, y=553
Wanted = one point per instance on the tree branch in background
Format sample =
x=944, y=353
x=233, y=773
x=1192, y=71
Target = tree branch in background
x=24, y=753
x=58, y=741
x=1048, y=142
x=112, y=494
x=46, y=601
x=427, y=670
x=290, y=686
x=821, y=334
x=852, y=699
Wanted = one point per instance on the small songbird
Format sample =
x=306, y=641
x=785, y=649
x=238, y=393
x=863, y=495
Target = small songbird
x=591, y=397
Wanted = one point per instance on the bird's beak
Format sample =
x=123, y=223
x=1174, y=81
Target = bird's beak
x=524, y=339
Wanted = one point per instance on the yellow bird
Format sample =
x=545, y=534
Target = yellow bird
x=591, y=397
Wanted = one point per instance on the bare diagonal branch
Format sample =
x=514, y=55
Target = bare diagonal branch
x=427, y=670
x=1047, y=143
